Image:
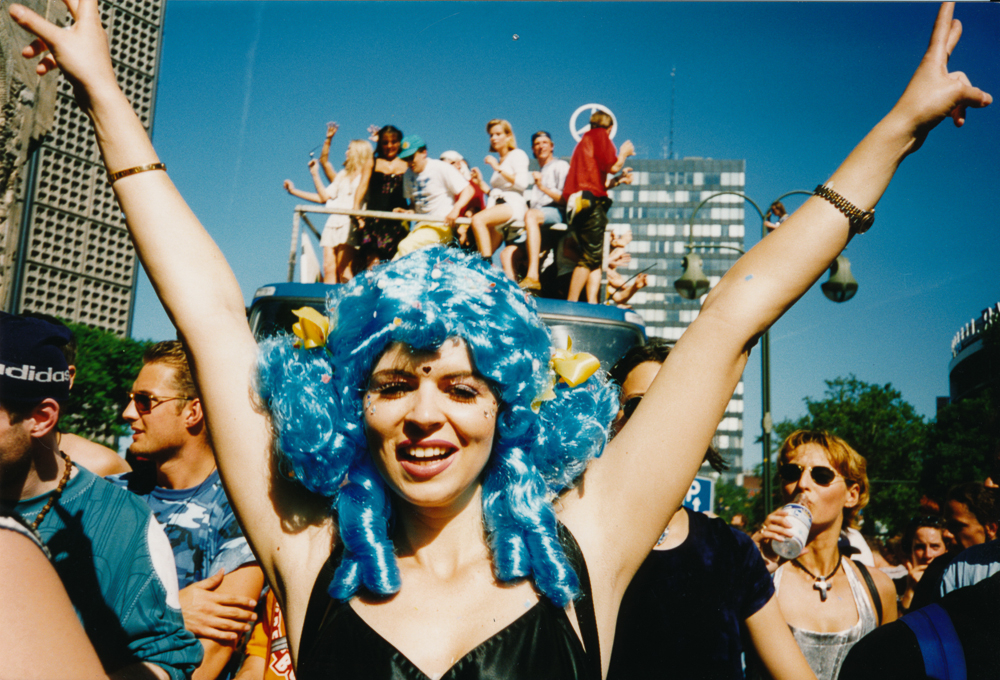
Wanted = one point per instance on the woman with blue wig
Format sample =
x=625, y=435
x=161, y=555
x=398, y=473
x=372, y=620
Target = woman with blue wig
x=429, y=489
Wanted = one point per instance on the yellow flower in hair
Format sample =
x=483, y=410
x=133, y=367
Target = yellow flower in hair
x=311, y=329
x=574, y=369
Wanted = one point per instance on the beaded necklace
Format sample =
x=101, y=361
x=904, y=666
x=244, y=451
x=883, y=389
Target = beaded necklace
x=56, y=494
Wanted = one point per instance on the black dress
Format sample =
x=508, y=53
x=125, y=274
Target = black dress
x=337, y=644
x=381, y=237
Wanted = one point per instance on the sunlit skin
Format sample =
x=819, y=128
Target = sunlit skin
x=542, y=148
x=160, y=432
x=826, y=503
x=430, y=421
x=499, y=140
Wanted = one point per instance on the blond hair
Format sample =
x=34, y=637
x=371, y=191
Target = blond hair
x=600, y=119
x=512, y=142
x=359, y=153
x=850, y=464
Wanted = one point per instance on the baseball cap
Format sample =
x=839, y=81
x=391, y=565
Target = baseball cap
x=540, y=133
x=411, y=144
x=32, y=365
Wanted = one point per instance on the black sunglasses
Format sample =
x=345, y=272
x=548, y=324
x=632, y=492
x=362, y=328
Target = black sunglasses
x=822, y=475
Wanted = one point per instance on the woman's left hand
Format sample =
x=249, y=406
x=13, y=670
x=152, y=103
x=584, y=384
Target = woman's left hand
x=492, y=162
x=933, y=93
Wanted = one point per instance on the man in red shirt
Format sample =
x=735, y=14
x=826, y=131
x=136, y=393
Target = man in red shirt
x=586, y=198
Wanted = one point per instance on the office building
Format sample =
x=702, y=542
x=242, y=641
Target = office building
x=73, y=258
x=657, y=209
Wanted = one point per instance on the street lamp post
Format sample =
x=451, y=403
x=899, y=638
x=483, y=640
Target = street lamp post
x=693, y=284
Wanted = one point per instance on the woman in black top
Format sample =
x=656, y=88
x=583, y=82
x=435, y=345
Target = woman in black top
x=432, y=415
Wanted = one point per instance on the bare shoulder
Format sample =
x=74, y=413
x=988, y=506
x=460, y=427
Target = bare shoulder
x=99, y=459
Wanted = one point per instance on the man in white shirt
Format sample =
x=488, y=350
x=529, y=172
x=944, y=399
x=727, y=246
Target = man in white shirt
x=546, y=208
x=434, y=188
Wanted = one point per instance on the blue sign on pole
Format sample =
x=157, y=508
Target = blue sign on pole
x=701, y=496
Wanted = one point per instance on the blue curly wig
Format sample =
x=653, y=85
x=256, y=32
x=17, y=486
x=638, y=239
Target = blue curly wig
x=315, y=400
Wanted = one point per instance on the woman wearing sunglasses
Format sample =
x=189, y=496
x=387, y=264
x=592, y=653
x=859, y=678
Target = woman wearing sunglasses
x=829, y=602
x=411, y=477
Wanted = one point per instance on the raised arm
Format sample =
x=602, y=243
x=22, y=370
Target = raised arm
x=190, y=276
x=324, y=154
x=629, y=493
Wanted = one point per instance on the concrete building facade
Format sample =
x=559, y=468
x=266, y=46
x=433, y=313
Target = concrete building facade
x=73, y=258
x=657, y=209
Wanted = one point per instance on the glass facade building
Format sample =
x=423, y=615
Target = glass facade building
x=657, y=208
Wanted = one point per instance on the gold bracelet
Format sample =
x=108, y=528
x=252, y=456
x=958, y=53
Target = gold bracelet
x=115, y=176
x=860, y=220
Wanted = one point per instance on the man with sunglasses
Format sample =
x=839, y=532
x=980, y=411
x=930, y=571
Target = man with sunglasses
x=218, y=574
x=701, y=587
x=113, y=559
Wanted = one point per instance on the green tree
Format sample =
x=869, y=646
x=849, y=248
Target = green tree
x=965, y=436
x=731, y=500
x=106, y=366
x=886, y=430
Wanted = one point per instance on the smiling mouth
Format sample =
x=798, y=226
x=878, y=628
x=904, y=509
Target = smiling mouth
x=424, y=454
x=427, y=460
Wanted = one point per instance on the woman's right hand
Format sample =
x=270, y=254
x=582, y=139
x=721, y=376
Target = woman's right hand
x=777, y=527
x=80, y=51
x=289, y=186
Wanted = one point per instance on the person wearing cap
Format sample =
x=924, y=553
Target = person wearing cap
x=457, y=161
x=545, y=209
x=433, y=188
x=97, y=458
x=113, y=559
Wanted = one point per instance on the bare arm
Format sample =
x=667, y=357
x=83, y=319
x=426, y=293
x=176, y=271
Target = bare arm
x=321, y=191
x=324, y=154
x=216, y=613
x=304, y=195
x=198, y=291
x=626, y=151
x=362, y=192
x=42, y=637
x=775, y=645
x=630, y=492
x=245, y=582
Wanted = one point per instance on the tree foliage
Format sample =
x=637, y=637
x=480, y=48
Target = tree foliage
x=731, y=500
x=886, y=430
x=106, y=366
x=965, y=436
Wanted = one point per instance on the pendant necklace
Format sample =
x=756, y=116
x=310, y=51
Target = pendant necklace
x=822, y=583
x=55, y=494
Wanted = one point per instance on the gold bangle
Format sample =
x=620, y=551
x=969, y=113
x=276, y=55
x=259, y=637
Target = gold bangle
x=115, y=176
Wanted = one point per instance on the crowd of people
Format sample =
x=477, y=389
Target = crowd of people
x=560, y=209
x=425, y=486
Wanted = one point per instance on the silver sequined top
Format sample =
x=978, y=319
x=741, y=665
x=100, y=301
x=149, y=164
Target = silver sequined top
x=825, y=652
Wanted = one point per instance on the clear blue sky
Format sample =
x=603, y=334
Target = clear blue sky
x=246, y=90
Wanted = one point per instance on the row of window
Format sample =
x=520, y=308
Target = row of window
x=724, y=179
